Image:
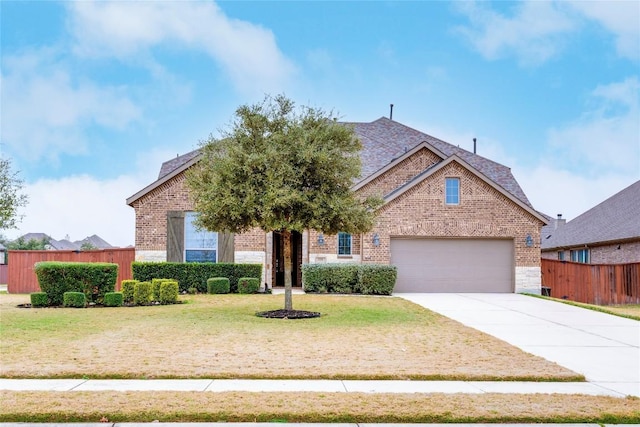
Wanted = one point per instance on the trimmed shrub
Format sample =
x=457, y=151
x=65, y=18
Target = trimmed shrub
x=218, y=285
x=330, y=278
x=155, y=284
x=367, y=279
x=91, y=278
x=39, y=299
x=142, y=293
x=195, y=274
x=376, y=279
x=74, y=299
x=128, y=289
x=248, y=285
x=113, y=299
x=169, y=292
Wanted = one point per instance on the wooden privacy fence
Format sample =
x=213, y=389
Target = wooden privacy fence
x=22, y=278
x=3, y=274
x=602, y=284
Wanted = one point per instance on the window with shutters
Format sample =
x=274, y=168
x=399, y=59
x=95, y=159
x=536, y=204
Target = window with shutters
x=199, y=245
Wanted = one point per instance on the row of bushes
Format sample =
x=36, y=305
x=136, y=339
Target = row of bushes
x=222, y=285
x=75, y=299
x=366, y=279
x=163, y=291
x=94, y=280
x=194, y=275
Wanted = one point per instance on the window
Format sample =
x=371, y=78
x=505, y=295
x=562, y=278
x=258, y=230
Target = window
x=452, y=191
x=580, y=255
x=199, y=245
x=344, y=243
x=560, y=255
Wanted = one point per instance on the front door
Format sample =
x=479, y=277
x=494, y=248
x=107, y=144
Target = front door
x=278, y=259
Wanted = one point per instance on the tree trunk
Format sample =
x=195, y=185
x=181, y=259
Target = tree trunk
x=286, y=241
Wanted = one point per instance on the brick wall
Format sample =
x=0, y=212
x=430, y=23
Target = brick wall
x=399, y=174
x=483, y=212
x=151, y=213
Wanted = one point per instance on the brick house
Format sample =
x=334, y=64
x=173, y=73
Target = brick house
x=608, y=233
x=452, y=220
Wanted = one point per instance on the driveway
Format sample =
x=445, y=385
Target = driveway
x=602, y=347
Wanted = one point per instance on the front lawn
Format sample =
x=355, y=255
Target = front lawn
x=218, y=336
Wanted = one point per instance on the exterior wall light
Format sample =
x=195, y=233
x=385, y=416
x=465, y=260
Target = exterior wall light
x=320, y=239
x=376, y=240
x=528, y=241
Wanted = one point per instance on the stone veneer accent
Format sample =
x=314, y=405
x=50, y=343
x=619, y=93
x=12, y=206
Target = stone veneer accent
x=528, y=280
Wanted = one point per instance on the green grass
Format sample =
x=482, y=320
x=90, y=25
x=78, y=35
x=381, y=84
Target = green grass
x=628, y=311
x=315, y=407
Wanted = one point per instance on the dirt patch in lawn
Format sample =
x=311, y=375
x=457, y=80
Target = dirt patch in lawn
x=219, y=336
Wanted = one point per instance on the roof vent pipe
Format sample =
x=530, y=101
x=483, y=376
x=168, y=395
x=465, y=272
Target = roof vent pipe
x=474, y=146
x=390, y=111
x=559, y=216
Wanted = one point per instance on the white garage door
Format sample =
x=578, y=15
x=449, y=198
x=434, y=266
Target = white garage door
x=453, y=265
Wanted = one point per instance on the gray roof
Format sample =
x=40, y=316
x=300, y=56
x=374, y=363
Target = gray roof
x=616, y=219
x=383, y=141
x=96, y=241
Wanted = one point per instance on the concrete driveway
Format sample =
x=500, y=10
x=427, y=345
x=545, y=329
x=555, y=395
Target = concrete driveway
x=602, y=347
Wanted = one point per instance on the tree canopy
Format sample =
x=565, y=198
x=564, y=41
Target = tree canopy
x=10, y=197
x=281, y=168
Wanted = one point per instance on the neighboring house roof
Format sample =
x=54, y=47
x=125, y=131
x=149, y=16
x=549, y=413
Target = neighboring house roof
x=65, y=244
x=35, y=236
x=383, y=141
x=95, y=241
x=614, y=220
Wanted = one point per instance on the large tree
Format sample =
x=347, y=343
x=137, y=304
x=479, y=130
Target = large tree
x=281, y=168
x=10, y=197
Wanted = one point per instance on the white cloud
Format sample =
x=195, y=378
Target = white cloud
x=45, y=110
x=82, y=205
x=538, y=30
x=621, y=18
x=559, y=191
x=535, y=33
x=248, y=53
x=607, y=137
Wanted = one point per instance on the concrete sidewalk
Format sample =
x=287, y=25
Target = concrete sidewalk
x=321, y=386
x=602, y=347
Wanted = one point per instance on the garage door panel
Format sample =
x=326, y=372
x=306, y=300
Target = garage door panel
x=453, y=265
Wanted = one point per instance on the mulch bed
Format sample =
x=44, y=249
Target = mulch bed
x=288, y=314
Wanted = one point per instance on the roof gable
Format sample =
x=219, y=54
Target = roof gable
x=385, y=142
x=615, y=219
x=438, y=166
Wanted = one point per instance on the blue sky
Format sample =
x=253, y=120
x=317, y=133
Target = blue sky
x=94, y=96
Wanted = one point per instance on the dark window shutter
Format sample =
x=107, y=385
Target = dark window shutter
x=226, y=247
x=175, y=236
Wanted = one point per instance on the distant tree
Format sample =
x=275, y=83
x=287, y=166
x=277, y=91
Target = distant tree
x=281, y=169
x=10, y=197
x=20, y=244
x=87, y=246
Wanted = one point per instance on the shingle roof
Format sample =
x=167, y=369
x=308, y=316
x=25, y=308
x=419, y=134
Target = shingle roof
x=383, y=141
x=96, y=241
x=615, y=219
